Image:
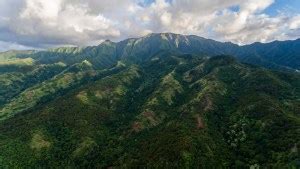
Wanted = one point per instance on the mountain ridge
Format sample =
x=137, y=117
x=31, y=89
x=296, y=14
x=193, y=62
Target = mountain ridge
x=276, y=55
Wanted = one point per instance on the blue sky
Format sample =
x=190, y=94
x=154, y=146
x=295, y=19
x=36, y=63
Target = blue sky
x=292, y=6
x=279, y=5
x=42, y=24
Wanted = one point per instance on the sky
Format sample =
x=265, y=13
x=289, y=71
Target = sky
x=40, y=24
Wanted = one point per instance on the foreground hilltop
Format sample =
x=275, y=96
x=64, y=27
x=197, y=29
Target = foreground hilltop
x=161, y=101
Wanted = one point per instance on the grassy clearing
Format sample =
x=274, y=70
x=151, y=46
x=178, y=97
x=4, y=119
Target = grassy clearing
x=18, y=62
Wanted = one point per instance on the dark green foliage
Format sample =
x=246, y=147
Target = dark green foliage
x=170, y=111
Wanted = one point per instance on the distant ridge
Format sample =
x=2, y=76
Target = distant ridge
x=279, y=55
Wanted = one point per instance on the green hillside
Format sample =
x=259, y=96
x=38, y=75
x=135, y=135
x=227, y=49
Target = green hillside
x=166, y=110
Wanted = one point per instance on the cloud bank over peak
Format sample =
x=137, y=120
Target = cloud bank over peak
x=44, y=23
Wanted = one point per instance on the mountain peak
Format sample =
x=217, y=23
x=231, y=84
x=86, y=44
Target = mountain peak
x=165, y=34
x=107, y=42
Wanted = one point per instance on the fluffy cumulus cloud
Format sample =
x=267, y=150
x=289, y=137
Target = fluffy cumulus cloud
x=48, y=23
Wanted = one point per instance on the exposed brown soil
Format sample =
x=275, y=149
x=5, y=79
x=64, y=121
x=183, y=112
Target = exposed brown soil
x=200, y=124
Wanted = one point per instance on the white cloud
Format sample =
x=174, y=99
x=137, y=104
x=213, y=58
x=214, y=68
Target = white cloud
x=249, y=24
x=44, y=23
x=295, y=23
x=41, y=9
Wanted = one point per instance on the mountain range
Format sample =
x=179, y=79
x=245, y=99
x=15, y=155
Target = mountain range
x=160, y=101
